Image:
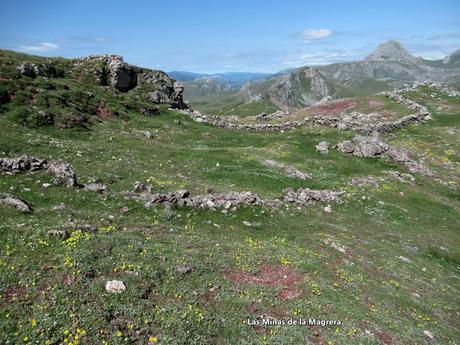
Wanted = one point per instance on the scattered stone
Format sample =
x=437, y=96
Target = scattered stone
x=182, y=198
x=324, y=100
x=372, y=147
x=368, y=181
x=306, y=196
x=19, y=204
x=96, y=187
x=147, y=134
x=114, y=286
x=63, y=173
x=27, y=69
x=322, y=147
x=150, y=111
x=337, y=246
x=33, y=70
x=328, y=209
x=46, y=185
x=214, y=288
x=184, y=269
x=289, y=169
x=61, y=234
x=429, y=335
x=402, y=177
x=140, y=187
x=22, y=164
x=346, y=146
x=403, y=258
x=444, y=88
x=245, y=222
x=268, y=117
x=168, y=213
x=60, y=207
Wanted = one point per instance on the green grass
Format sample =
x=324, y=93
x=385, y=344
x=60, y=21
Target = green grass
x=227, y=103
x=52, y=289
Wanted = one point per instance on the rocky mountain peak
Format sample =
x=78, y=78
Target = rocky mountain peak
x=452, y=59
x=392, y=51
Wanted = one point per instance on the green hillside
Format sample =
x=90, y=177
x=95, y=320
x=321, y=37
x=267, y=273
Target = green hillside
x=384, y=260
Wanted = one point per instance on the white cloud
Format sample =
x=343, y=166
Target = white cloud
x=325, y=57
x=100, y=39
x=432, y=55
x=40, y=47
x=310, y=35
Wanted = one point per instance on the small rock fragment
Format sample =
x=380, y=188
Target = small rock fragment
x=96, y=187
x=114, y=286
x=322, y=147
x=429, y=334
x=184, y=269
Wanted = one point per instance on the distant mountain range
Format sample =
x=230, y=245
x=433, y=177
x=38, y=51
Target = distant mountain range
x=389, y=66
x=231, y=79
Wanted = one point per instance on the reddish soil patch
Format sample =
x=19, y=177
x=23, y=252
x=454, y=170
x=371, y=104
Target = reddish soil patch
x=104, y=112
x=252, y=308
x=334, y=108
x=287, y=293
x=277, y=276
x=68, y=279
x=384, y=337
x=279, y=312
x=13, y=293
x=316, y=337
x=375, y=104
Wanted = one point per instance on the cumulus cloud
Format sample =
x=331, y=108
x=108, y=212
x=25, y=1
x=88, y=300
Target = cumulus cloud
x=40, y=47
x=325, y=57
x=310, y=35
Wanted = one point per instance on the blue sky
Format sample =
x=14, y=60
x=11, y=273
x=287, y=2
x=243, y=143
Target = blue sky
x=225, y=36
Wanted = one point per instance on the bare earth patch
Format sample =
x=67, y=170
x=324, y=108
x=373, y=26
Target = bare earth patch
x=334, y=108
x=282, y=276
x=104, y=112
x=376, y=104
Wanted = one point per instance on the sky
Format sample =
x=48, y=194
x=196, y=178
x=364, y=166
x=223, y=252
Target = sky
x=208, y=36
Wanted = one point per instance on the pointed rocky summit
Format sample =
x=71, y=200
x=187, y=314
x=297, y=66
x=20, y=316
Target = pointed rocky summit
x=392, y=51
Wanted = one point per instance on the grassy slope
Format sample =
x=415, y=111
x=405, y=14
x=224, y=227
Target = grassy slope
x=55, y=290
x=226, y=103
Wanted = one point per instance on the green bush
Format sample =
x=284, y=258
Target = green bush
x=23, y=97
x=31, y=118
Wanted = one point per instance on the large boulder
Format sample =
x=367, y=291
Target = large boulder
x=369, y=146
x=11, y=200
x=164, y=89
x=364, y=146
x=122, y=76
x=63, y=173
